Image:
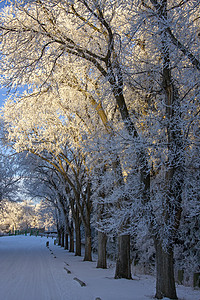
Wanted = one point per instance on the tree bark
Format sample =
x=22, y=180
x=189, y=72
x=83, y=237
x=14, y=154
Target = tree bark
x=62, y=238
x=71, y=238
x=66, y=241
x=102, y=241
x=78, y=237
x=123, y=265
x=71, y=243
x=85, y=217
x=165, y=282
x=59, y=237
x=88, y=244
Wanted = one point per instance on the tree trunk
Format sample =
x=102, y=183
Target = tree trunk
x=71, y=243
x=59, y=237
x=71, y=238
x=66, y=241
x=63, y=238
x=123, y=264
x=88, y=244
x=165, y=283
x=102, y=241
x=86, y=221
x=78, y=237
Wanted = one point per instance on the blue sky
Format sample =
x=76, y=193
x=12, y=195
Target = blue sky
x=2, y=3
x=2, y=96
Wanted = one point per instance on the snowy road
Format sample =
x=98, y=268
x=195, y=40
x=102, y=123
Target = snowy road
x=30, y=271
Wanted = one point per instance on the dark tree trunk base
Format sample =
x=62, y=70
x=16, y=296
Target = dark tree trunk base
x=59, y=237
x=63, y=239
x=165, y=283
x=71, y=243
x=88, y=248
x=123, y=265
x=66, y=241
x=78, y=239
x=102, y=241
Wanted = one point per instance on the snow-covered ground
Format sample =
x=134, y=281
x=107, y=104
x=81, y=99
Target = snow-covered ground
x=31, y=271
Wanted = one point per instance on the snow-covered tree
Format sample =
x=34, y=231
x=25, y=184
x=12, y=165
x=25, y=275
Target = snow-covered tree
x=26, y=215
x=138, y=72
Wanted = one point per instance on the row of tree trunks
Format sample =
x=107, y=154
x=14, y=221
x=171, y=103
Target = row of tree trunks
x=123, y=269
x=66, y=238
x=123, y=265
